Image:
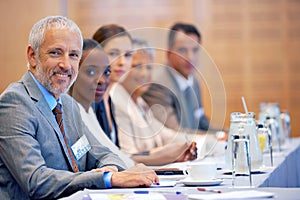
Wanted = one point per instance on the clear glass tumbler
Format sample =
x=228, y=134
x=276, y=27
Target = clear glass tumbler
x=241, y=161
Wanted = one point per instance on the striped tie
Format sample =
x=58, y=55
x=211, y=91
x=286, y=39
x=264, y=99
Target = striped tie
x=58, y=116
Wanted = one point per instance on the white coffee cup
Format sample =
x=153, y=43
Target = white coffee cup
x=201, y=170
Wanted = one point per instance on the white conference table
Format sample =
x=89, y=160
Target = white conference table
x=283, y=180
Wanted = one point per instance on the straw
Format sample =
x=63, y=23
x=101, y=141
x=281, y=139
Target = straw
x=244, y=104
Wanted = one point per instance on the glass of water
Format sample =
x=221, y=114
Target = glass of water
x=241, y=161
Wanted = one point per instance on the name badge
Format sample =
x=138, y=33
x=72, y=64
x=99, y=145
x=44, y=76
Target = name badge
x=81, y=147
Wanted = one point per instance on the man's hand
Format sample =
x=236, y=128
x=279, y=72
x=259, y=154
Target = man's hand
x=137, y=176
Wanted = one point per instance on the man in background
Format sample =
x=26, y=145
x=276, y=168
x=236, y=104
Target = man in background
x=175, y=87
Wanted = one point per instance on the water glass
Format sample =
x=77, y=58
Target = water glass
x=273, y=126
x=241, y=161
x=265, y=139
x=270, y=115
x=244, y=124
x=286, y=122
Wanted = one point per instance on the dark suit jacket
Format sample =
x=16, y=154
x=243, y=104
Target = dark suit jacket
x=100, y=111
x=34, y=162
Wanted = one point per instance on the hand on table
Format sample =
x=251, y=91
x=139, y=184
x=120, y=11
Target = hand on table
x=137, y=176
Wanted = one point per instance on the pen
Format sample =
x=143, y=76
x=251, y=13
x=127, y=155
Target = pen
x=209, y=190
x=141, y=192
x=187, y=138
x=147, y=192
x=189, y=142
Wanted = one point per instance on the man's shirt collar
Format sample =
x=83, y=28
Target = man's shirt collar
x=51, y=101
x=181, y=81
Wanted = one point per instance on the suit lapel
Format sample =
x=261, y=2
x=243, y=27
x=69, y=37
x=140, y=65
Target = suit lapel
x=103, y=118
x=114, y=124
x=41, y=104
x=188, y=105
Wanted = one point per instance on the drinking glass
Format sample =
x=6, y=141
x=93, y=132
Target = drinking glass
x=270, y=114
x=265, y=139
x=273, y=126
x=241, y=161
x=286, y=122
x=247, y=122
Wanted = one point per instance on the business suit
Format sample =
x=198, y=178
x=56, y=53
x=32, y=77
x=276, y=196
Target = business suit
x=178, y=110
x=34, y=161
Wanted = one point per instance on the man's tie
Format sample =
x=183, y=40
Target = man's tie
x=58, y=116
x=191, y=106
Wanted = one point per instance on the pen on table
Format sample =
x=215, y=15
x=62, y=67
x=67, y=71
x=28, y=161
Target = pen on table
x=147, y=192
x=141, y=192
x=189, y=142
x=209, y=190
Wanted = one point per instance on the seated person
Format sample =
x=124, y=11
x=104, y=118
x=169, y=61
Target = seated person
x=175, y=86
x=90, y=86
x=175, y=93
x=94, y=74
x=117, y=43
x=139, y=131
x=46, y=150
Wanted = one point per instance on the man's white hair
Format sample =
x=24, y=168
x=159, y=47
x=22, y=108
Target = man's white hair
x=38, y=30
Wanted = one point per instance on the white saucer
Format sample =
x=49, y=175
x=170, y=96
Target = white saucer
x=191, y=182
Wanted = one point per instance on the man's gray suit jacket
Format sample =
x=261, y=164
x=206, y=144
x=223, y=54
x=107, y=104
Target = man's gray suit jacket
x=34, y=160
x=176, y=110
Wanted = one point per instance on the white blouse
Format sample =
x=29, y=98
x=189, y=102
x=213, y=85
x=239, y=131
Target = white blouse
x=90, y=120
x=138, y=130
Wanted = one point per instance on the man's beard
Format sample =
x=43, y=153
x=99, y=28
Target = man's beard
x=45, y=79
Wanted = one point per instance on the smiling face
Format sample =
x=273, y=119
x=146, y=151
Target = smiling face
x=183, y=55
x=119, y=51
x=138, y=78
x=56, y=67
x=93, y=77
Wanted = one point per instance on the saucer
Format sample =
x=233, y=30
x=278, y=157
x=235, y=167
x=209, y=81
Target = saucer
x=191, y=182
x=260, y=170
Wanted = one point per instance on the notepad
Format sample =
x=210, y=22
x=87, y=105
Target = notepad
x=165, y=183
x=152, y=196
x=243, y=194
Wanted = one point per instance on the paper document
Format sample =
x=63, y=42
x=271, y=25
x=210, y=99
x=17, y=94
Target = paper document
x=152, y=196
x=245, y=194
x=165, y=183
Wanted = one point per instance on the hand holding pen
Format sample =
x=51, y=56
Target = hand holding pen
x=190, y=153
x=192, y=146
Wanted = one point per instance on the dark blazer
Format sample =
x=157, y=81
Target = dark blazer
x=100, y=111
x=34, y=162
